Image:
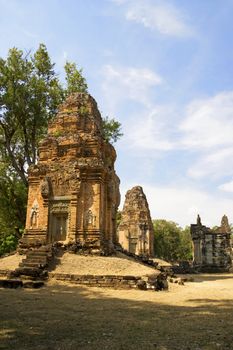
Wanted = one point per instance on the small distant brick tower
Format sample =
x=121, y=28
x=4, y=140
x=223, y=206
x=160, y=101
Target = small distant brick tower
x=136, y=232
x=74, y=190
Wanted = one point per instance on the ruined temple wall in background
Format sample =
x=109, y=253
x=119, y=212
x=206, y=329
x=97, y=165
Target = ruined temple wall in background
x=212, y=248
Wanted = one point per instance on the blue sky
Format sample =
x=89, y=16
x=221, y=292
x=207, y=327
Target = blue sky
x=164, y=69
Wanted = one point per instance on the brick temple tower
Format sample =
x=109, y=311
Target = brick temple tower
x=73, y=189
x=136, y=232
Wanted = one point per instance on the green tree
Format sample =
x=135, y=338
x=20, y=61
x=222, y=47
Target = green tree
x=112, y=130
x=29, y=95
x=13, y=197
x=74, y=79
x=186, y=246
x=8, y=243
x=12, y=200
x=171, y=241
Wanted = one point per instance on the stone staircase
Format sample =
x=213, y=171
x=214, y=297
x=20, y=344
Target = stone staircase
x=35, y=265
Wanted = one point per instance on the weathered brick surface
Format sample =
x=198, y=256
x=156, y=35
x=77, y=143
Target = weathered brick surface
x=73, y=190
x=155, y=281
x=136, y=233
x=120, y=282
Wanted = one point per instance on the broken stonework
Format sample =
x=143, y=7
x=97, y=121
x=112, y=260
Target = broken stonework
x=74, y=190
x=212, y=247
x=135, y=232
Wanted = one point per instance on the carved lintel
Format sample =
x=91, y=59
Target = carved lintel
x=59, y=207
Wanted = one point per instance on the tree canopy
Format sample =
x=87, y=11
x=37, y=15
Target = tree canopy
x=171, y=241
x=29, y=95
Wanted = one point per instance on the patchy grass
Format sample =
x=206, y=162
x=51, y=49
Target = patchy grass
x=196, y=316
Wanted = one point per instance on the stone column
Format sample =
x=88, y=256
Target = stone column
x=197, y=252
x=73, y=218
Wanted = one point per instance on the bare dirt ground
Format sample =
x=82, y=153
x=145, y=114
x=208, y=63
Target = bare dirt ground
x=198, y=315
x=119, y=265
x=11, y=262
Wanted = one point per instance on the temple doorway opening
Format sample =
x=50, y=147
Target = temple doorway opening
x=59, y=227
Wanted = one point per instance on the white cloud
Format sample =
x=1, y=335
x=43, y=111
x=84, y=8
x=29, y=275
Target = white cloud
x=214, y=164
x=157, y=15
x=120, y=83
x=182, y=204
x=30, y=34
x=208, y=129
x=149, y=132
x=209, y=122
x=227, y=187
x=147, y=129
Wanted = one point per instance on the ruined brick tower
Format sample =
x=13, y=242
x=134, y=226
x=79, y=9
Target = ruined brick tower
x=136, y=232
x=73, y=190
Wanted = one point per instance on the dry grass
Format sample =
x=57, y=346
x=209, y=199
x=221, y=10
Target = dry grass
x=196, y=316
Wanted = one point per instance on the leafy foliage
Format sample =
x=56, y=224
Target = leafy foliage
x=74, y=79
x=8, y=243
x=12, y=201
x=112, y=129
x=12, y=209
x=171, y=241
x=29, y=95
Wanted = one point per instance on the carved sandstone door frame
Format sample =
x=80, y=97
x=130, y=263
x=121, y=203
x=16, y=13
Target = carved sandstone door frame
x=59, y=218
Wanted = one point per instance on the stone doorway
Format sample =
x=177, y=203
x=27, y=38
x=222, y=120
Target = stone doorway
x=59, y=226
x=132, y=245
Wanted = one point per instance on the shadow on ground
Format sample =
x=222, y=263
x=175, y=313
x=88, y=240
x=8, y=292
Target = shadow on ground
x=207, y=277
x=64, y=317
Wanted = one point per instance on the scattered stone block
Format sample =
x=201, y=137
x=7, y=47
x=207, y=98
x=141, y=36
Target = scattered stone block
x=33, y=284
x=11, y=283
x=141, y=285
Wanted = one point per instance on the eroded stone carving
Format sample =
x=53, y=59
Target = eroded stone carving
x=44, y=187
x=34, y=213
x=136, y=233
x=59, y=207
x=91, y=219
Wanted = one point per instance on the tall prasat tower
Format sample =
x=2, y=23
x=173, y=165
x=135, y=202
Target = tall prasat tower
x=136, y=232
x=73, y=189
